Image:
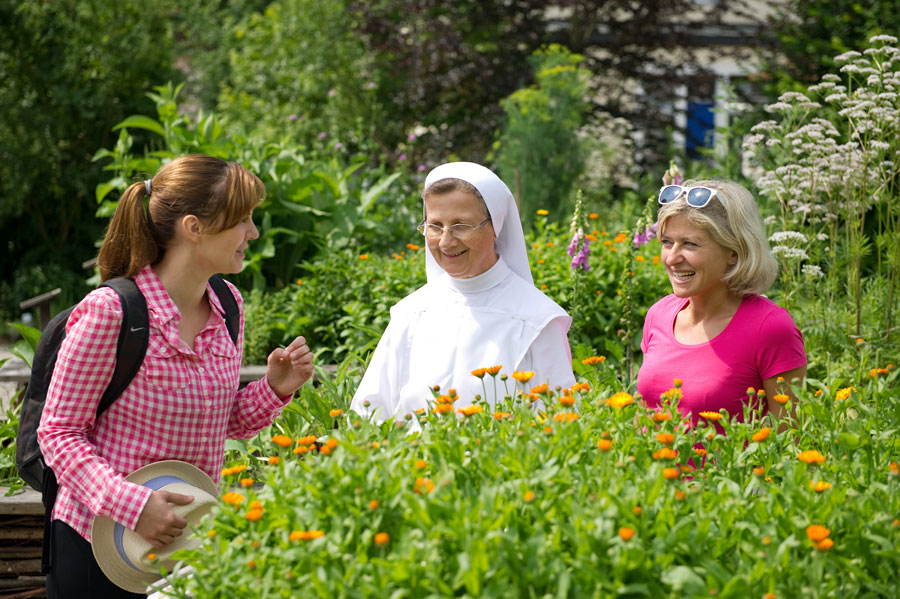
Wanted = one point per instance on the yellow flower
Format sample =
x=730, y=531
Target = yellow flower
x=626, y=533
x=542, y=388
x=479, y=372
x=282, y=440
x=232, y=498
x=761, y=435
x=543, y=212
x=844, y=393
x=234, y=470
x=593, y=360
x=819, y=486
x=443, y=408
x=335, y=413
x=471, y=410
x=494, y=370
x=604, y=444
x=711, y=415
x=620, y=400
x=565, y=417
x=529, y=496
x=817, y=532
x=662, y=416
x=382, y=539
x=523, y=376
x=305, y=535
x=781, y=398
x=567, y=400
x=700, y=451
x=811, y=456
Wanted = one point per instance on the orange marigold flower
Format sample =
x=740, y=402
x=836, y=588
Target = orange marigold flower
x=523, y=376
x=331, y=444
x=817, y=393
x=593, y=216
x=542, y=388
x=565, y=417
x=234, y=470
x=382, y=539
x=420, y=464
x=819, y=486
x=824, y=544
x=665, y=454
x=620, y=400
x=151, y=557
x=305, y=535
x=655, y=259
x=700, y=451
x=364, y=256
x=620, y=238
x=590, y=238
x=817, y=532
x=895, y=467
x=443, y=408
x=593, y=360
x=282, y=440
x=639, y=258
x=761, y=435
x=300, y=449
x=479, y=372
x=626, y=533
x=567, y=400
x=769, y=596
x=670, y=473
x=711, y=415
x=759, y=471
x=781, y=398
x=581, y=387
x=232, y=498
x=677, y=383
x=665, y=438
x=548, y=430
x=471, y=410
x=423, y=486
x=246, y=482
x=335, y=413
x=529, y=496
x=307, y=440
x=662, y=416
x=637, y=510
x=604, y=444
x=274, y=460
x=374, y=504
x=254, y=515
x=542, y=212
x=412, y=246
x=494, y=370
x=502, y=415
x=679, y=494
x=860, y=340
x=844, y=393
x=811, y=456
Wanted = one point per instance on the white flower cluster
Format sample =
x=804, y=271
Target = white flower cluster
x=790, y=253
x=812, y=271
x=788, y=237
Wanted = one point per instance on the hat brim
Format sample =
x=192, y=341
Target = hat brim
x=119, y=571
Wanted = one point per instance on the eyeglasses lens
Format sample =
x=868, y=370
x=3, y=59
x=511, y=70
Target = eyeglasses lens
x=669, y=194
x=699, y=197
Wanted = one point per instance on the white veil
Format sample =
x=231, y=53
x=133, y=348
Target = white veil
x=501, y=206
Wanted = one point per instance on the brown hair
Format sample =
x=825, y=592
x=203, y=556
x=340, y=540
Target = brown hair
x=220, y=194
x=442, y=186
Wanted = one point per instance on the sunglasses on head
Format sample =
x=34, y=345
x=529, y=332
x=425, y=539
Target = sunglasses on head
x=698, y=197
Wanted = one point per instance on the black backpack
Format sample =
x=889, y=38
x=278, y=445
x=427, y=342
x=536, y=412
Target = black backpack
x=131, y=347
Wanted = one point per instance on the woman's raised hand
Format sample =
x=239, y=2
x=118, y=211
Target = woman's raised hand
x=290, y=367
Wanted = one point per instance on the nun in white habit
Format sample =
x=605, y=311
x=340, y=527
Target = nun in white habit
x=479, y=307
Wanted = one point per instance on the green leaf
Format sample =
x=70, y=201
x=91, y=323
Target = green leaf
x=139, y=121
x=371, y=194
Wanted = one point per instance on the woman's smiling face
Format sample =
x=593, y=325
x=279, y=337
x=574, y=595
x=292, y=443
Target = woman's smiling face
x=694, y=262
x=460, y=259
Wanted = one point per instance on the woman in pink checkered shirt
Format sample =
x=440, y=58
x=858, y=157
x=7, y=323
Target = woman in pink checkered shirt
x=184, y=401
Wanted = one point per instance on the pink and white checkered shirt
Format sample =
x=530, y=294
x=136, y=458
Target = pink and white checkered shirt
x=182, y=405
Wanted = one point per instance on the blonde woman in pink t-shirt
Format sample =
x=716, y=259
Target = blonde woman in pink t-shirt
x=715, y=332
x=171, y=233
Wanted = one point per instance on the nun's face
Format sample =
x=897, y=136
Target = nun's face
x=466, y=253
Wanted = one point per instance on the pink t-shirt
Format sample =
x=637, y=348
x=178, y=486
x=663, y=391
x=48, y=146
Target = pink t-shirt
x=760, y=342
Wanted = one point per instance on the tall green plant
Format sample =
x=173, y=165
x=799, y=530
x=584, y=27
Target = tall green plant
x=539, y=152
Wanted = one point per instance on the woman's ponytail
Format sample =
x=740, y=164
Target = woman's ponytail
x=129, y=244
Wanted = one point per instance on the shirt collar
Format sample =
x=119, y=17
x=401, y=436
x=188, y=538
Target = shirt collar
x=160, y=306
x=486, y=280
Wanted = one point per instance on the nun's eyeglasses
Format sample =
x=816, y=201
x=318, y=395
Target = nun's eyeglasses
x=461, y=231
x=698, y=197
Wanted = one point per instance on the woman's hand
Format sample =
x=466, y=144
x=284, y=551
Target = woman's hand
x=290, y=367
x=158, y=524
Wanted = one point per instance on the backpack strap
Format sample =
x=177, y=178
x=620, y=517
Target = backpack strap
x=134, y=335
x=229, y=304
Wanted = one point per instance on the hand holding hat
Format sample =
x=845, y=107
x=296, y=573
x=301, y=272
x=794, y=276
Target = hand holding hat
x=131, y=561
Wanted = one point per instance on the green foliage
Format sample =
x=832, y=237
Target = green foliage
x=511, y=505
x=69, y=74
x=312, y=202
x=539, y=152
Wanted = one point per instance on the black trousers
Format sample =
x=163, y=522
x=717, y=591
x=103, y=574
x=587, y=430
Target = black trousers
x=74, y=573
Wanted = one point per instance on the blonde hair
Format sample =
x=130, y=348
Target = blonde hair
x=732, y=220
x=220, y=194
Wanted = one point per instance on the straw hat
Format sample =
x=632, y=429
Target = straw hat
x=122, y=553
